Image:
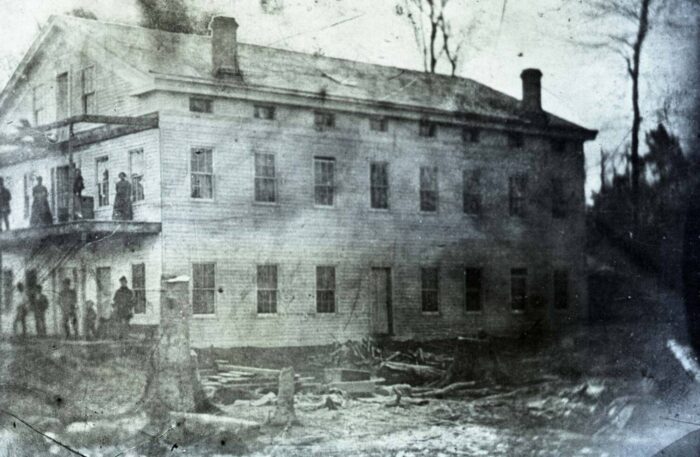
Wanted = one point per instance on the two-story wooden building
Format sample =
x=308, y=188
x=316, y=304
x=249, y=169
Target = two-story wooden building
x=308, y=199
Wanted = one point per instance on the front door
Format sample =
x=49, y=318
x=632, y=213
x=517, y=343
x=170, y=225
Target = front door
x=380, y=283
x=104, y=291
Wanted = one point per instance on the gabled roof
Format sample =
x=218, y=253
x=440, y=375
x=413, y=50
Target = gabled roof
x=166, y=54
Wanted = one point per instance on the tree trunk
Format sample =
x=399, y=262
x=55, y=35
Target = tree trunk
x=284, y=413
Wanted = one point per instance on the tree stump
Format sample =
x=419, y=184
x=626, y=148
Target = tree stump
x=284, y=413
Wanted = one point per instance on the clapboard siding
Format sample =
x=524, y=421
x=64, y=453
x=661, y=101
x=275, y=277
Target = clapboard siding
x=237, y=234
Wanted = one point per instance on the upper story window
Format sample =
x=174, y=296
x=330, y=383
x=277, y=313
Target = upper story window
x=428, y=188
x=138, y=283
x=429, y=290
x=324, y=181
x=518, y=288
x=379, y=185
x=102, y=184
x=87, y=90
x=201, y=105
x=325, y=289
x=471, y=135
x=516, y=140
x=517, y=191
x=62, y=102
x=324, y=119
x=136, y=170
x=202, y=173
x=203, y=288
x=471, y=187
x=264, y=112
x=267, y=289
x=558, y=145
x=427, y=128
x=378, y=123
x=39, y=104
x=265, y=178
x=472, y=288
x=559, y=203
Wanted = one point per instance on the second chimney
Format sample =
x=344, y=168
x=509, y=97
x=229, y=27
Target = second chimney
x=532, y=90
x=224, y=49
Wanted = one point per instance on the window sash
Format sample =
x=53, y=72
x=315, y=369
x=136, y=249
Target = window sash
x=266, y=112
x=378, y=124
x=379, y=185
x=427, y=129
x=428, y=189
x=471, y=197
x=136, y=166
x=266, y=282
x=561, y=289
x=102, y=167
x=87, y=89
x=429, y=289
x=324, y=181
x=325, y=289
x=471, y=135
x=324, y=119
x=203, y=288
x=473, y=287
x=265, y=178
x=201, y=173
x=517, y=191
x=138, y=283
x=201, y=105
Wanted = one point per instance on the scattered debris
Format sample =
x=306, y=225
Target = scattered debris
x=356, y=387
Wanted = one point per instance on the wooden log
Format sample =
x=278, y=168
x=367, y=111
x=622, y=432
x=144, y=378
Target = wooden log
x=284, y=412
x=445, y=390
x=424, y=372
x=256, y=370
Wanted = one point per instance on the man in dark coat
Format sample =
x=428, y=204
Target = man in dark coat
x=41, y=212
x=68, y=302
x=5, y=197
x=39, y=306
x=122, y=199
x=123, y=302
x=78, y=187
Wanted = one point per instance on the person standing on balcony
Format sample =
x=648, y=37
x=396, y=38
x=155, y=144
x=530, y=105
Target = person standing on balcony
x=5, y=197
x=122, y=199
x=68, y=302
x=41, y=212
x=78, y=187
x=39, y=304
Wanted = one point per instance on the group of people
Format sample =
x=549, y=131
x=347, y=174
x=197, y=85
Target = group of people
x=32, y=300
x=41, y=209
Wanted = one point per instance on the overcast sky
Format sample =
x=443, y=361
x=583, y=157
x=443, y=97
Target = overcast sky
x=585, y=85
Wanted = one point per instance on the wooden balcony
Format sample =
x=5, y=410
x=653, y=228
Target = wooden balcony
x=83, y=230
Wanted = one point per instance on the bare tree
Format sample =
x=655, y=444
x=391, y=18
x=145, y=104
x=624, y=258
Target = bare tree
x=440, y=31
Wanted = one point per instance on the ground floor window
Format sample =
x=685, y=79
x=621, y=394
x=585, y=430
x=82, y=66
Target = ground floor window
x=518, y=288
x=561, y=289
x=138, y=282
x=325, y=289
x=429, y=290
x=267, y=289
x=472, y=289
x=203, y=288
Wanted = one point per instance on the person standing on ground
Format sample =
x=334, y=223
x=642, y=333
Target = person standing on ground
x=90, y=320
x=22, y=310
x=5, y=197
x=78, y=187
x=41, y=212
x=122, y=200
x=68, y=302
x=123, y=305
x=39, y=306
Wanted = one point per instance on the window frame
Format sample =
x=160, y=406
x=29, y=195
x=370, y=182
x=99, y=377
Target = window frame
x=471, y=135
x=517, y=197
x=317, y=160
x=192, y=173
x=273, y=179
x=334, y=308
x=324, y=119
x=102, y=187
x=275, y=291
x=265, y=109
x=88, y=97
x=39, y=103
x=479, y=290
x=516, y=140
x=471, y=191
x=207, y=103
x=379, y=124
x=211, y=289
x=139, y=290
x=518, y=274
x=384, y=165
x=423, y=191
x=132, y=175
x=427, y=128
x=434, y=290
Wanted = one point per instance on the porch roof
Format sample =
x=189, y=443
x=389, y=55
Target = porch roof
x=81, y=228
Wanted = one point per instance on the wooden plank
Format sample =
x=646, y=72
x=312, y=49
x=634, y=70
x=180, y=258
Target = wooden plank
x=263, y=371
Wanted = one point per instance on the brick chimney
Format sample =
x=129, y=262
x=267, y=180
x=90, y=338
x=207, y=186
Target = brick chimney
x=532, y=90
x=224, y=50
